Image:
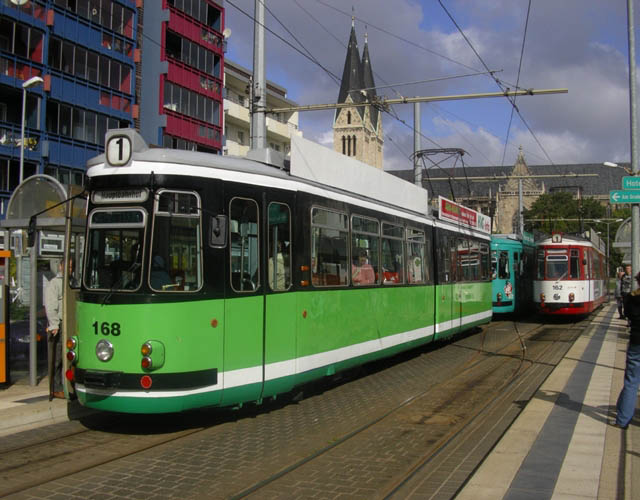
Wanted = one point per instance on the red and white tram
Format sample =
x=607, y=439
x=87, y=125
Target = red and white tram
x=570, y=274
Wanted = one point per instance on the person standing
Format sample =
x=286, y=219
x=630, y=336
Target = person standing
x=53, y=306
x=627, y=399
x=618, y=294
x=625, y=286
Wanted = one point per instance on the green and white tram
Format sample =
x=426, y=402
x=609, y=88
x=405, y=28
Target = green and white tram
x=211, y=280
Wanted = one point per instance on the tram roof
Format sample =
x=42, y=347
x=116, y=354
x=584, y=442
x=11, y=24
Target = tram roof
x=310, y=164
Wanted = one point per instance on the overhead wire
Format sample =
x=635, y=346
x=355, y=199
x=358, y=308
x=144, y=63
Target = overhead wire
x=524, y=37
x=313, y=58
x=498, y=82
x=334, y=77
x=394, y=114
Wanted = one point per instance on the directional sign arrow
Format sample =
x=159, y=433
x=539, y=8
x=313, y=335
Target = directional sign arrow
x=624, y=196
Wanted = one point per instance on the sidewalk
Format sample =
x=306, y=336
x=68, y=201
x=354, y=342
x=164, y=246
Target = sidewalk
x=23, y=407
x=563, y=445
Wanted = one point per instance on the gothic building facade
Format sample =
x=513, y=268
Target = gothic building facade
x=357, y=130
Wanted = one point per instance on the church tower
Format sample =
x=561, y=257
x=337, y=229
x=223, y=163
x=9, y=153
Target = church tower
x=357, y=131
x=507, y=197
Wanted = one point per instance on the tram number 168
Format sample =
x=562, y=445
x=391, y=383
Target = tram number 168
x=106, y=328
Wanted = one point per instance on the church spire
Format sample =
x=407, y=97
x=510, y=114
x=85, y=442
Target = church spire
x=368, y=82
x=352, y=73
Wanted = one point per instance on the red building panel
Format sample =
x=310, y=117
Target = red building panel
x=192, y=130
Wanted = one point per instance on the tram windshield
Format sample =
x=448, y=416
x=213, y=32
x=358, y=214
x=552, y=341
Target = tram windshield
x=176, y=249
x=114, y=255
x=557, y=265
x=500, y=265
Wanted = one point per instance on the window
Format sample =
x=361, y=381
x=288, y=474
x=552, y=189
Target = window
x=557, y=264
x=329, y=248
x=67, y=57
x=365, y=245
x=244, y=244
x=114, y=249
x=416, y=262
x=279, y=244
x=575, y=264
x=176, y=258
x=392, y=254
x=78, y=124
x=81, y=62
x=92, y=67
x=503, y=265
x=484, y=262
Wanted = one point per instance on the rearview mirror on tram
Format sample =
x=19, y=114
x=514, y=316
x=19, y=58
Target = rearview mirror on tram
x=218, y=231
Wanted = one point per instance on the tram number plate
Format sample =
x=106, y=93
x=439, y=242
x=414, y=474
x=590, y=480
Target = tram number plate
x=106, y=328
x=557, y=287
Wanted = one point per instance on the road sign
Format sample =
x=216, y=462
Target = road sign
x=624, y=196
x=631, y=182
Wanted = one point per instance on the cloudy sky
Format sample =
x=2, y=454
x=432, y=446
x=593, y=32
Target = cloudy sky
x=580, y=45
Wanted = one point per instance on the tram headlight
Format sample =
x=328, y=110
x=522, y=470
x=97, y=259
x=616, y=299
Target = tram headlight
x=572, y=297
x=542, y=297
x=104, y=350
x=499, y=297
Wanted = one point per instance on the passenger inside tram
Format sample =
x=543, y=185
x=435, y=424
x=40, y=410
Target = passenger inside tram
x=362, y=272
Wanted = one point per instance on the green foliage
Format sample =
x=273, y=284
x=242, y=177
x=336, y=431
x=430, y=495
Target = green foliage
x=562, y=213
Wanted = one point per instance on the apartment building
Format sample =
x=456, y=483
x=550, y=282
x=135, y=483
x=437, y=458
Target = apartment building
x=181, y=74
x=84, y=52
x=237, y=131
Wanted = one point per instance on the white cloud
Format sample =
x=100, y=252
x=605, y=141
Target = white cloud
x=578, y=44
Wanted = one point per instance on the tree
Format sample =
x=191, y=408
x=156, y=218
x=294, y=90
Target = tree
x=557, y=209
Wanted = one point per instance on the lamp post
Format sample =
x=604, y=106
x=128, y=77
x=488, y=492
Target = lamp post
x=31, y=82
x=608, y=223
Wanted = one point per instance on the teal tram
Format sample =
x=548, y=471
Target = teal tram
x=214, y=281
x=512, y=273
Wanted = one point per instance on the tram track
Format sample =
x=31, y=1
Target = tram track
x=91, y=448
x=482, y=355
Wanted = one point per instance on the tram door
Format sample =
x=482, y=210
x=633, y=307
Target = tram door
x=280, y=315
x=460, y=250
x=244, y=303
x=447, y=314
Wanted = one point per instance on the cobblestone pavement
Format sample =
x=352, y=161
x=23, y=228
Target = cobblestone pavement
x=245, y=447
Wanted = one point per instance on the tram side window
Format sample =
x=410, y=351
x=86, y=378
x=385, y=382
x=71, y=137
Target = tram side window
x=416, y=263
x=540, y=265
x=244, y=244
x=329, y=247
x=365, y=244
x=574, y=268
x=176, y=247
x=392, y=254
x=114, y=255
x=503, y=265
x=484, y=262
x=279, y=244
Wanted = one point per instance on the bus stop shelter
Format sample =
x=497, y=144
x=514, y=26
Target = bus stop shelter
x=45, y=218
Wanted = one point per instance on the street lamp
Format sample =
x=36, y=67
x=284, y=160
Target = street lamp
x=608, y=223
x=616, y=165
x=31, y=82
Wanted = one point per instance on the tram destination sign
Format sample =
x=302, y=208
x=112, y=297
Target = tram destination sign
x=624, y=196
x=631, y=182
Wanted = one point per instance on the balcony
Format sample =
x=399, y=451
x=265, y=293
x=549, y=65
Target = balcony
x=236, y=113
